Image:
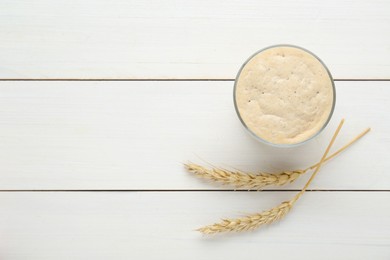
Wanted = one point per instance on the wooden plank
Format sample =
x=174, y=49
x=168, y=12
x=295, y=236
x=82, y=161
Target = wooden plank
x=123, y=225
x=136, y=135
x=186, y=39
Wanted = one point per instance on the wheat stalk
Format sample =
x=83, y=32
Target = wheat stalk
x=252, y=181
x=269, y=216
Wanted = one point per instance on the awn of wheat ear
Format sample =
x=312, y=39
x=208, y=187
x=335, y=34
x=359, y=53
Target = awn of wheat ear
x=257, y=181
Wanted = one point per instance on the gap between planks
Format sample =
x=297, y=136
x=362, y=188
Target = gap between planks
x=162, y=79
x=196, y=190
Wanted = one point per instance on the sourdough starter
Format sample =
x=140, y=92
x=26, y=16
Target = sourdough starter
x=284, y=95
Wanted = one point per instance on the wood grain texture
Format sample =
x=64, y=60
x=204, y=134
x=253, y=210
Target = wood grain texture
x=131, y=225
x=186, y=39
x=136, y=135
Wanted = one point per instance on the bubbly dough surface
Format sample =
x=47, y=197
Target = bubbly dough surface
x=284, y=95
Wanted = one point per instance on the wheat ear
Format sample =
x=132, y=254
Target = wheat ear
x=257, y=181
x=239, y=179
x=254, y=221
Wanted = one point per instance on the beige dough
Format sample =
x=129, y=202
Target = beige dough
x=284, y=95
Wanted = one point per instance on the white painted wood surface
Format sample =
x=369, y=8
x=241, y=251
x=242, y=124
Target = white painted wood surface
x=136, y=135
x=149, y=225
x=186, y=39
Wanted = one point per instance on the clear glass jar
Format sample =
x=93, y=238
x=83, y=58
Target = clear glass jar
x=283, y=144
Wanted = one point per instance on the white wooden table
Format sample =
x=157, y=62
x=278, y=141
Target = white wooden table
x=102, y=101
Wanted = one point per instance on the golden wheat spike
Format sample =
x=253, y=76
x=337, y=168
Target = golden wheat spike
x=258, y=181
